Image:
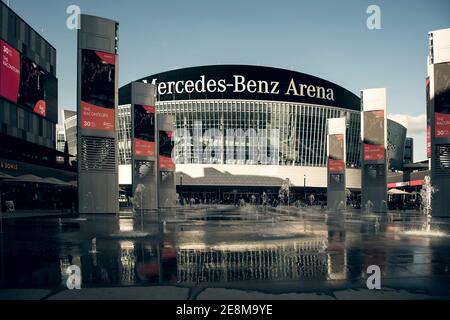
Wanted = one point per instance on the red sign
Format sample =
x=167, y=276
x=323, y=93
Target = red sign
x=97, y=118
x=373, y=153
x=442, y=125
x=9, y=165
x=144, y=148
x=106, y=58
x=9, y=72
x=428, y=142
x=336, y=166
x=166, y=163
x=40, y=108
x=150, y=109
x=413, y=183
x=378, y=113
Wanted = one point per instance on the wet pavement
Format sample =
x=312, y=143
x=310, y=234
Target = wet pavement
x=226, y=252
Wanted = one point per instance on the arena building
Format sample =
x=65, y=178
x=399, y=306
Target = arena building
x=224, y=113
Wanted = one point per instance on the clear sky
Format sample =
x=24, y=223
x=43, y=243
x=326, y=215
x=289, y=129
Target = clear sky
x=328, y=39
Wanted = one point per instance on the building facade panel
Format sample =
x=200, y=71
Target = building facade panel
x=18, y=119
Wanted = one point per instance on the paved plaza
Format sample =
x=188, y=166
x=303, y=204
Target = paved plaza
x=226, y=252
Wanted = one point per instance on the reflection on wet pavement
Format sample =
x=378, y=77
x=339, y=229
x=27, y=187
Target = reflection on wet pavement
x=230, y=247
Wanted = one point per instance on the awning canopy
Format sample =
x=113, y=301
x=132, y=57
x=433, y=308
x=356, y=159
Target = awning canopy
x=27, y=178
x=55, y=181
x=5, y=176
x=31, y=178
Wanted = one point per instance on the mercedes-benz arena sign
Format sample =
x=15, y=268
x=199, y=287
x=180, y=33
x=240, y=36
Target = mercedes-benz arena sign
x=229, y=112
x=250, y=83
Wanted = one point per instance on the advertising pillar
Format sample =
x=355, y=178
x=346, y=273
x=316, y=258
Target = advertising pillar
x=143, y=115
x=336, y=197
x=439, y=105
x=166, y=166
x=97, y=97
x=428, y=106
x=374, y=139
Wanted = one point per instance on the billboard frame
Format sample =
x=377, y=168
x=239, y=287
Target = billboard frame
x=98, y=181
x=374, y=170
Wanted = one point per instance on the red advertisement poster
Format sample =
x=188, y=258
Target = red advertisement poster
x=442, y=125
x=336, y=166
x=40, y=108
x=374, y=138
x=97, y=118
x=22, y=81
x=9, y=72
x=336, y=163
x=98, y=90
x=166, y=163
x=373, y=153
x=442, y=100
x=144, y=148
x=144, y=131
x=165, y=150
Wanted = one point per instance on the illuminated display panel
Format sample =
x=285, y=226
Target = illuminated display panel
x=98, y=90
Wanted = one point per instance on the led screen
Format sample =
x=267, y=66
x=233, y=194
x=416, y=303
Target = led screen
x=144, y=131
x=442, y=100
x=165, y=150
x=24, y=82
x=98, y=90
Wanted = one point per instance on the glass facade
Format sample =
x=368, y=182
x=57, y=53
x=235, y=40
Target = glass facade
x=60, y=138
x=302, y=138
x=395, y=145
x=124, y=134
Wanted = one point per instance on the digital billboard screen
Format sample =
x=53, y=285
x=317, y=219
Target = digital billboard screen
x=23, y=81
x=336, y=163
x=442, y=100
x=98, y=78
x=374, y=149
x=144, y=131
x=165, y=150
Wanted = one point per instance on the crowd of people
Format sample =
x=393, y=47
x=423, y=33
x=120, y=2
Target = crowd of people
x=273, y=200
x=269, y=200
